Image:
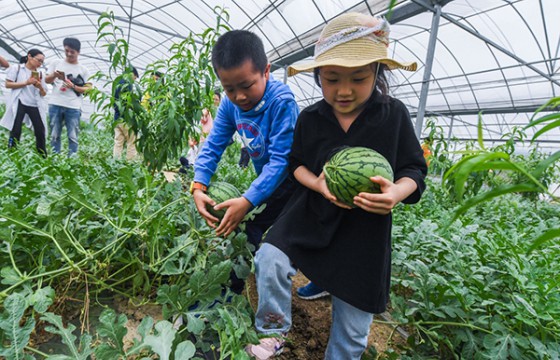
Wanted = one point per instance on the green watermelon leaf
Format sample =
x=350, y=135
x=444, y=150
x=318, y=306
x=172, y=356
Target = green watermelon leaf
x=543, y=238
x=68, y=338
x=10, y=320
x=162, y=340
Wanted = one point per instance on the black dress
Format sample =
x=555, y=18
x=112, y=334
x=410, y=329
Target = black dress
x=347, y=252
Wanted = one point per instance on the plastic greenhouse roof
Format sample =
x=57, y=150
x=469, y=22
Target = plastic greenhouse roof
x=498, y=57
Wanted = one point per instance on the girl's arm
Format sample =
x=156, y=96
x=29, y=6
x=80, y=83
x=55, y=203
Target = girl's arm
x=316, y=183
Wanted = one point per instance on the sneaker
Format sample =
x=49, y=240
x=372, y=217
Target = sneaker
x=311, y=292
x=267, y=348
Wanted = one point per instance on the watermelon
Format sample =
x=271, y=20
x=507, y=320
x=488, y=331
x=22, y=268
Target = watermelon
x=349, y=170
x=221, y=191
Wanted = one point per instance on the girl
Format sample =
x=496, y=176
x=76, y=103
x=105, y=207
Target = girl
x=346, y=252
x=25, y=100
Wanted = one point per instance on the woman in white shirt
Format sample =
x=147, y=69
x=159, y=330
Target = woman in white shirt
x=25, y=103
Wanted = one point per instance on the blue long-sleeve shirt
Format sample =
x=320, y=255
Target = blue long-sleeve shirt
x=267, y=132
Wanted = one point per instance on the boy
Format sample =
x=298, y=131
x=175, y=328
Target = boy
x=70, y=80
x=263, y=111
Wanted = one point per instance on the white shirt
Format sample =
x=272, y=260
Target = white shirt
x=30, y=95
x=63, y=96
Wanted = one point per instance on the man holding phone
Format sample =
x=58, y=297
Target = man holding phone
x=70, y=81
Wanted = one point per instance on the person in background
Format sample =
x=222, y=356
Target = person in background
x=25, y=101
x=123, y=134
x=344, y=250
x=263, y=111
x=4, y=63
x=147, y=101
x=70, y=81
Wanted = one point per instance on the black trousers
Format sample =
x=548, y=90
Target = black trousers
x=38, y=127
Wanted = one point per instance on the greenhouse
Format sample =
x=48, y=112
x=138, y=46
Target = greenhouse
x=144, y=177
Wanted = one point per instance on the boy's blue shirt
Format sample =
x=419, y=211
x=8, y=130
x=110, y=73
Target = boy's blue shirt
x=266, y=130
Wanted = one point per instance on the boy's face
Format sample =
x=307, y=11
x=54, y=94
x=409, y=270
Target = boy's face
x=244, y=85
x=71, y=55
x=347, y=89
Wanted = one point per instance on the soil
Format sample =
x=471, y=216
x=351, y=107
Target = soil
x=311, y=321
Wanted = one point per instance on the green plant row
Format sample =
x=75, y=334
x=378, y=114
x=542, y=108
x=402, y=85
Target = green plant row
x=89, y=226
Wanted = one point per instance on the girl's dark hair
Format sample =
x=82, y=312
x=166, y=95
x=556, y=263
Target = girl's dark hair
x=32, y=53
x=235, y=47
x=217, y=92
x=381, y=83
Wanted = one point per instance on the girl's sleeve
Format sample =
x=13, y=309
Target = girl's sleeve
x=410, y=159
x=296, y=155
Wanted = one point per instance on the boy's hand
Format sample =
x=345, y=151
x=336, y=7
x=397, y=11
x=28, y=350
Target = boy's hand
x=391, y=194
x=200, y=200
x=236, y=210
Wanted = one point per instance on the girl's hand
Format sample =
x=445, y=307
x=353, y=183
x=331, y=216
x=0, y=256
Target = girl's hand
x=235, y=212
x=381, y=203
x=322, y=188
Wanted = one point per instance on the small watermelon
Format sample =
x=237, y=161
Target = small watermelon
x=349, y=170
x=221, y=191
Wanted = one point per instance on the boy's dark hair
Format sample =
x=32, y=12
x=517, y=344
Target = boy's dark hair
x=219, y=93
x=32, y=53
x=72, y=43
x=235, y=47
x=381, y=82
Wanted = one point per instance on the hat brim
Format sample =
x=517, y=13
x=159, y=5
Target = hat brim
x=310, y=66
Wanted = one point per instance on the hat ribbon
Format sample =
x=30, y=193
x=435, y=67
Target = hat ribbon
x=378, y=33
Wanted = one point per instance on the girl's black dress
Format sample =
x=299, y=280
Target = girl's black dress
x=347, y=252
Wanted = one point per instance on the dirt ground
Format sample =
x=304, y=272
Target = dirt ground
x=311, y=321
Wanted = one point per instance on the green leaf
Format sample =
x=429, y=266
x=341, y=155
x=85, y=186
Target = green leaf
x=553, y=125
x=195, y=324
x=162, y=340
x=68, y=338
x=10, y=320
x=543, y=165
x=42, y=299
x=113, y=328
x=185, y=350
x=9, y=276
x=543, y=238
x=506, y=189
x=480, y=136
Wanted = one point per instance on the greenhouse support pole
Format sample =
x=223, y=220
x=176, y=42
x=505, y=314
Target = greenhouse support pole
x=427, y=71
x=285, y=74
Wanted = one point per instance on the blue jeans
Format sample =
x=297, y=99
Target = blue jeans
x=71, y=118
x=350, y=325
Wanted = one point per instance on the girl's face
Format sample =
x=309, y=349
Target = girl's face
x=347, y=89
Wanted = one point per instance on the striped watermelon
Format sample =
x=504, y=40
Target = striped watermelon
x=348, y=172
x=221, y=191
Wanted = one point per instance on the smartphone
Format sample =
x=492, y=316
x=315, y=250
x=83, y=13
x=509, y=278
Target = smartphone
x=35, y=74
x=61, y=73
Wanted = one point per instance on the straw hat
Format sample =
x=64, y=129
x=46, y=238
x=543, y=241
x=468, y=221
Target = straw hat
x=352, y=40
